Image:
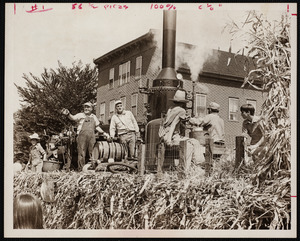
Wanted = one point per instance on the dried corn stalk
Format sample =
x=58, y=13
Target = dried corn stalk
x=269, y=46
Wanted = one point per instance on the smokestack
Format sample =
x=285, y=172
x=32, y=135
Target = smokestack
x=166, y=83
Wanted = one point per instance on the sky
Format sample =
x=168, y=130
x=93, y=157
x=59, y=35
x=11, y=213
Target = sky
x=67, y=33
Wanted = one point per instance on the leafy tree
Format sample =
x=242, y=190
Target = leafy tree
x=269, y=45
x=45, y=96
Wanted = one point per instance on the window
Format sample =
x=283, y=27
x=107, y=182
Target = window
x=252, y=102
x=145, y=98
x=111, y=107
x=138, y=68
x=123, y=99
x=124, y=73
x=233, y=109
x=200, y=105
x=102, y=112
x=134, y=101
x=111, y=78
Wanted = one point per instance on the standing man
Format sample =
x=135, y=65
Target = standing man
x=87, y=124
x=124, y=123
x=214, y=124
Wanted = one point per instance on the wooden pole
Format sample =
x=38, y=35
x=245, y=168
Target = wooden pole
x=208, y=155
x=160, y=157
x=239, y=150
x=141, y=158
x=182, y=167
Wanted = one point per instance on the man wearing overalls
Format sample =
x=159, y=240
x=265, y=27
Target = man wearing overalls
x=87, y=124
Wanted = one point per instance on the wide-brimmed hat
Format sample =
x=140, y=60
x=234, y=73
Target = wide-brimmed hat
x=34, y=136
x=179, y=97
x=88, y=104
x=213, y=106
x=118, y=102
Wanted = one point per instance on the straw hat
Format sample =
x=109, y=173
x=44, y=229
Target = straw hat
x=34, y=136
x=179, y=97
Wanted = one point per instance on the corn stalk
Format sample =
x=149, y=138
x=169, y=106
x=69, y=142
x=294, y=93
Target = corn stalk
x=270, y=49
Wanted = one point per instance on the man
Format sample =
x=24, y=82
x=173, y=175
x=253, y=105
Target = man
x=214, y=124
x=252, y=128
x=170, y=133
x=87, y=124
x=125, y=126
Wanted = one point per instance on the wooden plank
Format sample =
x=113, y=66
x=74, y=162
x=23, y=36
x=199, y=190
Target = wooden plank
x=239, y=150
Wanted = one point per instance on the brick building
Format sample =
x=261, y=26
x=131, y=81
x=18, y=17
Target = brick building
x=136, y=64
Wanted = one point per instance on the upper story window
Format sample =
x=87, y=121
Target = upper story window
x=138, y=68
x=252, y=102
x=102, y=112
x=124, y=73
x=200, y=105
x=111, y=107
x=134, y=101
x=233, y=109
x=111, y=78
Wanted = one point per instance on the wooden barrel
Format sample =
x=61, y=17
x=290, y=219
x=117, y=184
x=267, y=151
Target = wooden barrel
x=104, y=150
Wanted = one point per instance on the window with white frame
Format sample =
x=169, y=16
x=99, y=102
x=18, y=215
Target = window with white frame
x=233, y=109
x=111, y=107
x=123, y=99
x=200, y=105
x=134, y=101
x=124, y=73
x=111, y=78
x=102, y=112
x=252, y=102
x=138, y=68
x=145, y=98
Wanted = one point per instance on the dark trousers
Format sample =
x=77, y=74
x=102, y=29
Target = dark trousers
x=85, y=141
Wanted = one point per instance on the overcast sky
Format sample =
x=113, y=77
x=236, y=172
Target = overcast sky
x=41, y=39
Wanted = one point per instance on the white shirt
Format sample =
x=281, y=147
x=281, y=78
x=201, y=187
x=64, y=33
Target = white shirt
x=123, y=123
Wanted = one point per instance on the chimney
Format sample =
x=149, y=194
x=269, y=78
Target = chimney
x=166, y=83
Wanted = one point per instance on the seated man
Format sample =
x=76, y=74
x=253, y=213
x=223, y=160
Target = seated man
x=169, y=131
x=252, y=127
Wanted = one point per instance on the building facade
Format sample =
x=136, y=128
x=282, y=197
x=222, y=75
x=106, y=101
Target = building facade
x=128, y=70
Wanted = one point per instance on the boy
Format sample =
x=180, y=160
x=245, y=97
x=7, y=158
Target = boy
x=252, y=127
x=36, y=154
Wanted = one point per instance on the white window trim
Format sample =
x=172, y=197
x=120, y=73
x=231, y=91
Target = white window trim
x=134, y=97
x=248, y=101
x=113, y=78
x=138, y=65
x=198, y=95
x=102, y=111
x=237, y=111
x=111, y=107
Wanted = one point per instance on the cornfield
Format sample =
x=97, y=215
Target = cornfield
x=101, y=200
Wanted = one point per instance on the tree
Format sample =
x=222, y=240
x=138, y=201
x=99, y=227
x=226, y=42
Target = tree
x=269, y=45
x=45, y=96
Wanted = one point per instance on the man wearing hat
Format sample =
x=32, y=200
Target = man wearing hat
x=87, y=124
x=125, y=126
x=171, y=133
x=36, y=153
x=214, y=124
